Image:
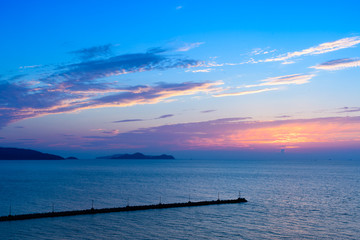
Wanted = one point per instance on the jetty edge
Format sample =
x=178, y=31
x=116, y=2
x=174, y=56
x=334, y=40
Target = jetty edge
x=118, y=209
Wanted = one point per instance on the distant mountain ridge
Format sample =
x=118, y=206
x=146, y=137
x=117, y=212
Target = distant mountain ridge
x=136, y=156
x=25, y=154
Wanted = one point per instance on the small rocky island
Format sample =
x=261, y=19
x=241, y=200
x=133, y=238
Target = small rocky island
x=25, y=154
x=136, y=156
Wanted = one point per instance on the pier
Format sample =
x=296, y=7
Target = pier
x=118, y=209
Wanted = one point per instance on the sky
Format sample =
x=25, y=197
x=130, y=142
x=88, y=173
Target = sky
x=196, y=79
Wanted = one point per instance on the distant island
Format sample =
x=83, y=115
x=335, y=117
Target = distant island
x=136, y=156
x=28, y=154
x=25, y=154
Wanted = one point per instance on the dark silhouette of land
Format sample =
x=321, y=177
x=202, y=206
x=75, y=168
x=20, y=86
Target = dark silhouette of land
x=118, y=209
x=136, y=156
x=25, y=154
x=28, y=154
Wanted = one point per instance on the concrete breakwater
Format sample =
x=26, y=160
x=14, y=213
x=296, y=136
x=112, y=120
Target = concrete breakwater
x=118, y=209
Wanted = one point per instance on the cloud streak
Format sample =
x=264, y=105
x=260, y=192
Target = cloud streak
x=285, y=80
x=206, y=70
x=338, y=64
x=165, y=116
x=320, y=49
x=129, y=120
x=283, y=116
x=208, y=111
x=260, y=51
x=141, y=120
x=189, y=46
x=93, y=52
x=349, y=109
x=244, y=92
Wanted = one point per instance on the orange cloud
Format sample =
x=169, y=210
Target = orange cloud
x=241, y=134
x=285, y=134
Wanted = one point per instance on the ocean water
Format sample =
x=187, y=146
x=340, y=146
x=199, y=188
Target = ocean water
x=287, y=199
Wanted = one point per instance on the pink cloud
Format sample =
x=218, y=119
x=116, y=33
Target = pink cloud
x=22, y=103
x=240, y=133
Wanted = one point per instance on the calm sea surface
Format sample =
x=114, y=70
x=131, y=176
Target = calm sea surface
x=287, y=199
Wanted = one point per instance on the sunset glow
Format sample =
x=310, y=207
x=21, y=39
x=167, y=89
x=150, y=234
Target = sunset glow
x=122, y=79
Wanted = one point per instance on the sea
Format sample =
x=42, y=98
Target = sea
x=287, y=199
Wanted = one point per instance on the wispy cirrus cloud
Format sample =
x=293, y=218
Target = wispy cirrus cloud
x=88, y=71
x=349, y=110
x=262, y=51
x=85, y=84
x=320, y=49
x=30, y=66
x=129, y=120
x=16, y=77
x=285, y=80
x=338, y=64
x=189, y=46
x=288, y=58
x=165, y=116
x=18, y=102
x=283, y=116
x=111, y=132
x=206, y=70
x=244, y=92
x=141, y=120
x=273, y=81
x=208, y=111
x=93, y=52
x=91, y=74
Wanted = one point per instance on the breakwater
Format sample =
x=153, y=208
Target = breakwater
x=118, y=209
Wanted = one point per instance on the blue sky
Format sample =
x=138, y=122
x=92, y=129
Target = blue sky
x=95, y=77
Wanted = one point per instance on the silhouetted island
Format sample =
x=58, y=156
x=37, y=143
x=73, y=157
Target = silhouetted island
x=25, y=154
x=71, y=158
x=136, y=156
